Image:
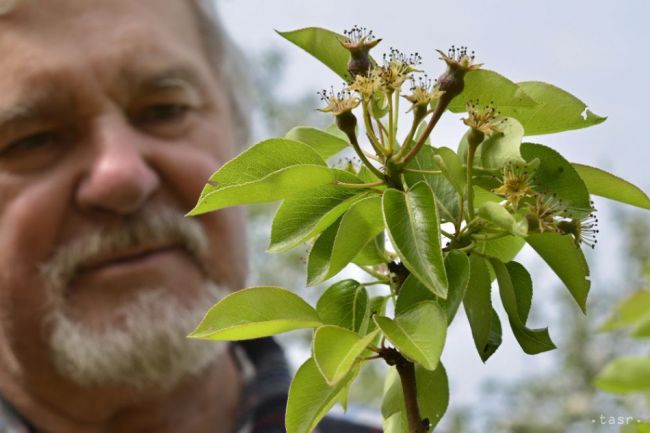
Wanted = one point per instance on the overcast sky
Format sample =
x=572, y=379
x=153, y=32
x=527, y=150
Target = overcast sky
x=597, y=50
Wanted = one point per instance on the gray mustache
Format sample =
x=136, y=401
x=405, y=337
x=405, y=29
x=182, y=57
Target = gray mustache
x=162, y=225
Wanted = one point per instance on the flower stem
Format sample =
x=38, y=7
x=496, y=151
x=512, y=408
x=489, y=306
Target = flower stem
x=374, y=273
x=372, y=156
x=486, y=237
x=374, y=283
x=461, y=214
x=416, y=170
x=370, y=131
x=441, y=106
x=391, y=123
x=360, y=185
x=446, y=234
x=369, y=358
x=470, y=189
x=417, y=118
x=395, y=120
x=474, y=139
x=372, y=348
x=355, y=144
x=383, y=131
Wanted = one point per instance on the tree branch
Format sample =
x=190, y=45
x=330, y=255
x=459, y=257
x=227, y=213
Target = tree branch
x=406, y=370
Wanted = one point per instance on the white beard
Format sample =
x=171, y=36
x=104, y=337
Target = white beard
x=149, y=347
x=144, y=341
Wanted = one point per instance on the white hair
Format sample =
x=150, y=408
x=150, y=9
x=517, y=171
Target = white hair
x=230, y=65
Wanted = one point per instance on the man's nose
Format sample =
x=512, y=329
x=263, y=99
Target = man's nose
x=120, y=178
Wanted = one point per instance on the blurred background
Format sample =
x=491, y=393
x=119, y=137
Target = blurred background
x=596, y=50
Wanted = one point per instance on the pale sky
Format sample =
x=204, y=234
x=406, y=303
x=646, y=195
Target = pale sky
x=597, y=50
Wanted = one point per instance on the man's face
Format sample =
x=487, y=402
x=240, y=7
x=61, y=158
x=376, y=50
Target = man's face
x=111, y=120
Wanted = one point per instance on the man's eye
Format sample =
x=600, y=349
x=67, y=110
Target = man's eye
x=163, y=113
x=32, y=142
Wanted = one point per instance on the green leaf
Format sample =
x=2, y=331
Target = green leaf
x=495, y=151
x=555, y=175
x=366, y=175
x=499, y=216
x=393, y=400
x=413, y=291
x=344, y=397
x=504, y=249
x=324, y=45
x=445, y=193
x=324, y=143
x=335, y=350
x=269, y=171
x=345, y=304
x=360, y=223
x=413, y=227
x=377, y=307
x=379, y=105
x=556, y=110
x=599, y=182
x=488, y=86
x=637, y=427
x=334, y=130
x=642, y=329
x=419, y=332
x=567, y=260
x=494, y=337
x=319, y=257
x=432, y=395
x=633, y=312
x=302, y=217
x=483, y=320
x=373, y=253
x=626, y=375
x=481, y=196
x=516, y=289
x=458, y=271
x=452, y=167
x=310, y=397
x=396, y=423
x=256, y=312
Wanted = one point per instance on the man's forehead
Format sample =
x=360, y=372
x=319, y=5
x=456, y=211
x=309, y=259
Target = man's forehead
x=79, y=27
x=119, y=46
x=60, y=10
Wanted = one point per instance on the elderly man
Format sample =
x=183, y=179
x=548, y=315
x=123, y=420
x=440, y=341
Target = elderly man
x=113, y=113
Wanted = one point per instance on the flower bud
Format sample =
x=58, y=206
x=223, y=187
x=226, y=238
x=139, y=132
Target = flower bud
x=346, y=122
x=359, y=42
x=341, y=104
x=458, y=63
